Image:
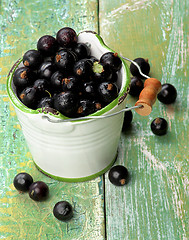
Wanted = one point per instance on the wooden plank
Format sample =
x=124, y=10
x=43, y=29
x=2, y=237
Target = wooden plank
x=23, y=22
x=154, y=205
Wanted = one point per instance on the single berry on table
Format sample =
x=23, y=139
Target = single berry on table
x=63, y=211
x=159, y=126
x=47, y=45
x=22, y=181
x=168, y=94
x=118, y=175
x=38, y=191
x=136, y=86
x=32, y=59
x=144, y=66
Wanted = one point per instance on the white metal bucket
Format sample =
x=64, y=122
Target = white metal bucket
x=76, y=150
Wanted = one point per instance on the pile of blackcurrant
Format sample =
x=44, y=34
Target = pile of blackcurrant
x=39, y=191
x=62, y=74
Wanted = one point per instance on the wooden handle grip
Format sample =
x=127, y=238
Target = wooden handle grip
x=148, y=96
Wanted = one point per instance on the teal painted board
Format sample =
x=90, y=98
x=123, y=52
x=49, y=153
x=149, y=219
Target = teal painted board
x=154, y=205
x=22, y=23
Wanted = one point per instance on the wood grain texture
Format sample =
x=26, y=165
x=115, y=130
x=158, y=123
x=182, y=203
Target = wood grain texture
x=22, y=23
x=154, y=205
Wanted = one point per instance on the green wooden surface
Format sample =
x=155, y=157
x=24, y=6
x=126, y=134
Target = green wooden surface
x=22, y=23
x=154, y=205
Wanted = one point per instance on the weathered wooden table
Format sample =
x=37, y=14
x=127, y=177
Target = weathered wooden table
x=154, y=205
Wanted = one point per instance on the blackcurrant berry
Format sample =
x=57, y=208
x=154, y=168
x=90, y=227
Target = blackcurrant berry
x=102, y=72
x=46, y=69
x=144, y=66
x=23, y=77
x=71, y=83
x=66, y=37
x=111, y=59
x=107, y=91
x=42, y=87
x=47, y=45
x=167, y=94
x=65, y=60
x=85, y=108
x=66, y=103
x=82, y=50
x=118, y=175
x=98, y=104
x=46, y=102
x=22, y=181
x=136, y=86
x=83, y=69
x=128, y=117
x=159, y=126
x=38, y=191
x=29, y=97
x=32, y=59
x=89, y=90
x=63, y=211
x=56, y=81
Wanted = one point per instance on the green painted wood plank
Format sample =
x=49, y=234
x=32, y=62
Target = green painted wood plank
x=154, y=205
x=22, y=23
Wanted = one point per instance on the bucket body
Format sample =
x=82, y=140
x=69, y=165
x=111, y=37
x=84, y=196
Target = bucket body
x=76, y=150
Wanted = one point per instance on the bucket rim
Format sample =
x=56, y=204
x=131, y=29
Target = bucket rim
x=120, y=98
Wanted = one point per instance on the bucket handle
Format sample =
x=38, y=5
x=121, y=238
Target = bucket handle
x=91, y=117
x=148, y=95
